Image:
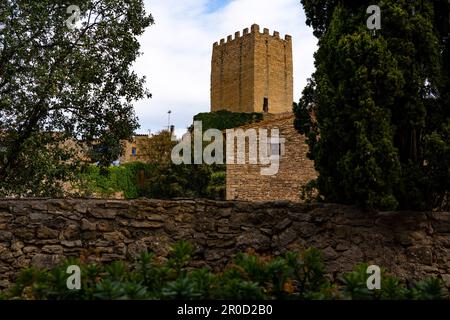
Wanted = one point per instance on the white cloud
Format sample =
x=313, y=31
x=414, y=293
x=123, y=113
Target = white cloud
x=177, y=52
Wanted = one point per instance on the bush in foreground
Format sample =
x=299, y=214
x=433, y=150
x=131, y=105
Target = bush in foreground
x=250, y=276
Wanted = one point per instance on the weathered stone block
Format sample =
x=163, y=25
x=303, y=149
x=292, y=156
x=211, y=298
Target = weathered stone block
x=89, y=235
x=30, y=249
x=446, y=279
x=39, y=216
x=39, y=206
x=103, y=213
x=283, y=224
x=135, y=249
x=108, y=257
x=60, y=204
x=46, y=233
x=329, y=254
x=154, y=217
x=22, y=220
x=146, y=224
x=23, y=233
x=72, y=232
x=81, y=207
x=104, y=226
x=17, y=245
x=441, y=222
x=219, y=243
x=53, y=249
x=112, y=204
x=87, y=225
x=22, y=262
x=72, y=244
x=6, y=217
x=287, y=237
x=46, y=261
x=254, y=240
x=305, y=229
x=421, y=254
x=113, y=236
x=5, y=235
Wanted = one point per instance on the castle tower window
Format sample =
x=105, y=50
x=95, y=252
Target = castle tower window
x=266, y=105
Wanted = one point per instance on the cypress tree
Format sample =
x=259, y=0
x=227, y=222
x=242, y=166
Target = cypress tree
x=376, y=111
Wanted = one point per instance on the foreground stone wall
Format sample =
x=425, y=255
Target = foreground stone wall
x=44, y=232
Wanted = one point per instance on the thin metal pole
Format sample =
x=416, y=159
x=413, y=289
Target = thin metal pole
x=168, y=123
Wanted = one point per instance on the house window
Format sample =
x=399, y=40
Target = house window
x=266, y=105
x=133, y=151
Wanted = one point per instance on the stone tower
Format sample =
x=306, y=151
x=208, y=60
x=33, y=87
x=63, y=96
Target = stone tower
x=252, y=73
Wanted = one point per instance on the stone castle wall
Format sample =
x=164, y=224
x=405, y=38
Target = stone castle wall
x=295, y=170
x=43, y=232
x=248, y=68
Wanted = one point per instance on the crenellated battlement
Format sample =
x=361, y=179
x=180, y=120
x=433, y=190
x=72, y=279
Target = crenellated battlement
x=252, y=71
x=254, y=29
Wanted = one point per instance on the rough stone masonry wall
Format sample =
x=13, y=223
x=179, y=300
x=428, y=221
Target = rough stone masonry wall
x=247, y=68
x=245, y=181
x=44, y=232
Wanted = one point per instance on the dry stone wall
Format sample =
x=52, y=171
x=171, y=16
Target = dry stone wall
x=44, y=232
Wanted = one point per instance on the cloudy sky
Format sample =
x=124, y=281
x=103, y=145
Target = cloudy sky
x=177, y=51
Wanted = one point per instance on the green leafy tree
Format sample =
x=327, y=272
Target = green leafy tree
x=76, y=82
x=158, y=148
x=376, y=110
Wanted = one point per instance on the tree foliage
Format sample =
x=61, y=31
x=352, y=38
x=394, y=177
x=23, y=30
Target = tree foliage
x=78, y=83
x=224, y=119
x=125, y=180
x=376, y=111
x=156, y=181
x=158, y=148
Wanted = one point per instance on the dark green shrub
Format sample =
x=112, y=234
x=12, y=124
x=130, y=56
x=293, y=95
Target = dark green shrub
x=158, y=181
x=224, y=119
x=107, y=182
x=216, y=188
x=355, y=284
x=429, y=289
x=249, y=276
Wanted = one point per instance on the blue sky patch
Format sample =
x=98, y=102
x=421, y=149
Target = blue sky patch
x=214, y=5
